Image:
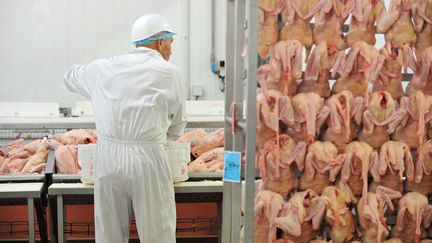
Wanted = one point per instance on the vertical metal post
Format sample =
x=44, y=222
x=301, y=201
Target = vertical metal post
x=30, y=212
x=229, y=97
x=60, y=219
x=251, y=84
x=238, y=101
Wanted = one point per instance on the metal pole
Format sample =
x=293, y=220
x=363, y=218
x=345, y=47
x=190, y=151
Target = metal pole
x=30, y=203
x=238, y=99
x=60, y=219
x=252, y=62
x=229, y=97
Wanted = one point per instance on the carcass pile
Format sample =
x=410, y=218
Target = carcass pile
x=207, y=150
x=30, y=158
x=24, y=158
x=338, y=161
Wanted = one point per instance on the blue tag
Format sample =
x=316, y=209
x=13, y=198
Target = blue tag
x=232, y=166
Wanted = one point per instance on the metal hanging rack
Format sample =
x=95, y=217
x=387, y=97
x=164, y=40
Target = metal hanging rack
x=240, y=130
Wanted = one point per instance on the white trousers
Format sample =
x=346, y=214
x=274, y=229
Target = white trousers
x=133, y=177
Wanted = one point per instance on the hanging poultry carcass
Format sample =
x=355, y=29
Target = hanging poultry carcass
x=308, y=117
x=284, y=68
x=422, y=78
x=354, y=175
x=422, y=16
x=271, y=108
x=276, y=164
x=380, y=119
x=390, y=77
x=267, y=25
x=412, y=129
x=395, y=162
x=276, y=154
x=295, y=219
x=345, y=114
x=322, y=166
x=371, y=210
x=361, y=66
x=364, y=16
x=396, y=23
x=295, y=25
x=413, y=218
x=316, y=77
x=268, y=206
x=423, y=168
x=333, y=207
x=330, y=15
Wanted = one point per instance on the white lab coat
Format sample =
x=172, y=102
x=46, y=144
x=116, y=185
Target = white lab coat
x=138, y=99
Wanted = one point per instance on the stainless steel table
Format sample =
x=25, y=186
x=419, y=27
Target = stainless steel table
x=30, y=191
x=193, y=189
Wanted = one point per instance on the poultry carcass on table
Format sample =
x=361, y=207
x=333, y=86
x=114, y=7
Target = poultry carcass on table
x=267, y=25
x=78, y=136
x=412, y=129
x=275, y=164
x=380, y=119
x=284, y=68
x=3, y=153
x=14, y=166
x=316, y=75
x=396, y=23
x=210, y=161
x=67, y=159
x=395, y=162
x=18, y=149
x=268, y=206
x=413, y=217
x=323, y=164
x=211, y=141
x=37, y=162
x=423, y=24
x=371, y=210
x=333, y=206
x=295, y=25
x=361, y=66
x=192, y=137
x=354, y=175
x=345, y=114
x=364, y=16
x=296, y=220
x=390, y=77
x=308, y=117
x=422, y=78
x=422, y=174
x=330, y=15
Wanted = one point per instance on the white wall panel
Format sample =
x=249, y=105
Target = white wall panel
x=41, y=39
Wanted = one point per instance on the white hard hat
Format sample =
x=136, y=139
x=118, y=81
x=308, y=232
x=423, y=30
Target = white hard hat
x=149, y=25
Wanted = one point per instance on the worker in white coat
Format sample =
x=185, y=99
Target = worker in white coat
x=138, y=101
